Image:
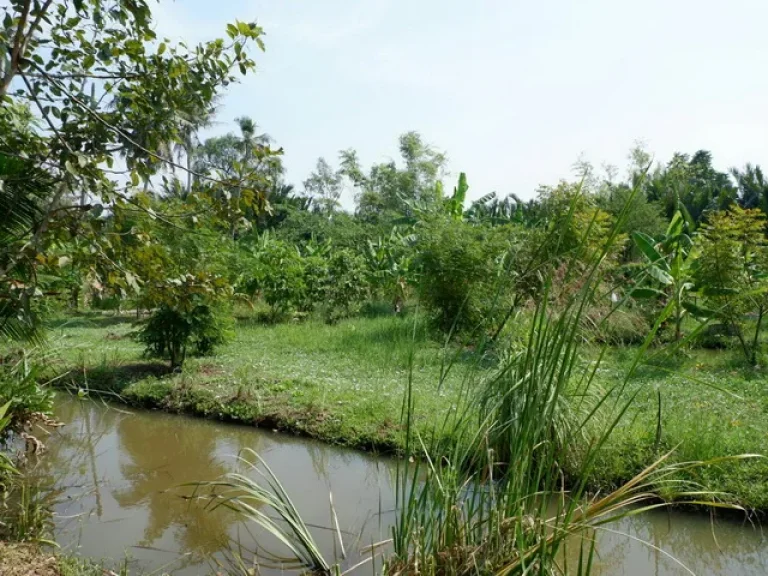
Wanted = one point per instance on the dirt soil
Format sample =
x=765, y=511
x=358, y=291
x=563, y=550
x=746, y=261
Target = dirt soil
x=27, y=560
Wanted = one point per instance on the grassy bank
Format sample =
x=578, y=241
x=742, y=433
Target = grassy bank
x=17, y=559
x=344, y=384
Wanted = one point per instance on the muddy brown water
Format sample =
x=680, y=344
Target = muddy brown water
x=114, y=478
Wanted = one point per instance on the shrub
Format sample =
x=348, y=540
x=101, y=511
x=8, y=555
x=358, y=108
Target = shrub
x=731, y=273
x=624, y=325
x=279, y=278
x=20, y=388
x=461, y=274
x=389, y=267
x=190, y=314
x=345, y=287
x=315, y=279
x=168, y=333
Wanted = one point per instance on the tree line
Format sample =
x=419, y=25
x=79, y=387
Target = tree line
x=115, y=200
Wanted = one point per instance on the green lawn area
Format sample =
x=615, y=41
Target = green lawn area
x=345, y=384
x=712, y=405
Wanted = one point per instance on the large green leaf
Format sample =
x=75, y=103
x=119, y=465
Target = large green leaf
x=675, y=227
x=647, y=246
x=698, y=311
x=662, y=276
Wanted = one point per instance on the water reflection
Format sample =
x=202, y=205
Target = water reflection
x=664, y=543
x=155, y=460
x=117, y=477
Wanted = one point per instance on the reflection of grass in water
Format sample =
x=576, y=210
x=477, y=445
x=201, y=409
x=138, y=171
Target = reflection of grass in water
x=266, y=504
x=705, y=546
x=158, y=454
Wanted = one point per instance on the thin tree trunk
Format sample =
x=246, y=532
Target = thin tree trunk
x=756, y=339
x=189, y=173
x=16, y=49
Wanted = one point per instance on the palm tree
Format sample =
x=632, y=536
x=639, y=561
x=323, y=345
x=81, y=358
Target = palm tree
x=249, y=141
x=249, y=137
x=753, y=187
x=188, y=142
x=26, y=189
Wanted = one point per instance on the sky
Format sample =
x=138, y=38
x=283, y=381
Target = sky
x=515, y=92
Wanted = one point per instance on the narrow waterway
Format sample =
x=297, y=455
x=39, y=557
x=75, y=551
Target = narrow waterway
x=113, y=477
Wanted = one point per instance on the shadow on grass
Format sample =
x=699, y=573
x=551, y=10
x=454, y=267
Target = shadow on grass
x=391, y=331
x=264, y=318
x=114, y=378
x=377, y=309
x=662, y=364
x=90, y=321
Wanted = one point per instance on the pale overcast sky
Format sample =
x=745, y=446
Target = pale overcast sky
x=513, y=91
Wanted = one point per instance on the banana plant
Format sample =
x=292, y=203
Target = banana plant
x=670, y=268
x=389, y=263
x=454, y=206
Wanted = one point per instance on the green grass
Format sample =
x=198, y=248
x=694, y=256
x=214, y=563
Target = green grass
x=342, y=383
x=712, y=404
x=345, y=384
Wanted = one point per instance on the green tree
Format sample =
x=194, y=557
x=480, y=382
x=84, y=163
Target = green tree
x=389, y=261
x=345, y=286
x=691, y=183
x=634, y=212
x=117, y=87
x=100, y=84
x=278, y=276
x=187, y=315
x=731, y=273
x=24, y=191
x=753, y=187
x=490, y=209
x=188, y=142
x=324, y=185
x=387, y=190
x=226, y=162
x=461, y=274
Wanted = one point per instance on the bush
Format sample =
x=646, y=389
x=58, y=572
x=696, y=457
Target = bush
x=731, y=274
x=168, y=333
x=279, y=278
x=462, y=274
x=315, y=279
x=614, y=327
x=190, y=314
x=716, y=336
x=345, y=287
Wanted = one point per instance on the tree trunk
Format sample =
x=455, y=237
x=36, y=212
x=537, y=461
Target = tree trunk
x=189, y=167
x=756, y=338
